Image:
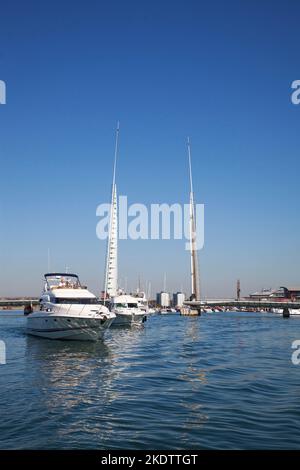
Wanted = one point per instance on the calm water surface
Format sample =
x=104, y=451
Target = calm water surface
x=222, y=381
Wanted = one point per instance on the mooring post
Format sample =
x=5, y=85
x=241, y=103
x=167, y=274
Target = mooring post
x=286, y=312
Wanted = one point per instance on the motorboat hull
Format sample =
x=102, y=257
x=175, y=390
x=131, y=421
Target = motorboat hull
x=129, y=319
x=53, y=326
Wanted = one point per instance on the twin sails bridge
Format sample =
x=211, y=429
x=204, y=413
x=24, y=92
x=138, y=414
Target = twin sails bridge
x=192, y=307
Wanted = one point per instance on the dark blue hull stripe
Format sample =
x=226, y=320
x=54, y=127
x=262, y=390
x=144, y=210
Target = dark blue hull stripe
x=53, y=330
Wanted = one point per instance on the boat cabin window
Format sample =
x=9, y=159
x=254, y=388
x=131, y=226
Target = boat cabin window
x=121, y=305
x=132, y=305
x=76, y=300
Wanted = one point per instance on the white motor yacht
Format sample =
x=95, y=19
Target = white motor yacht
x=143, y=302
x=168, y=311
x=68, y=311
x=292, y=311
x=127, y=310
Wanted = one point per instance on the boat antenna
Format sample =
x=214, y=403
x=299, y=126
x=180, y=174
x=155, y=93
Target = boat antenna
x=49, y=264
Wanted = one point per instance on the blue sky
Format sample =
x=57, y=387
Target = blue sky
x=219, y=72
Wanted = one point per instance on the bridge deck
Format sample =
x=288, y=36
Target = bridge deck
x=243, y=303
x=284, y=306
x=18, y=302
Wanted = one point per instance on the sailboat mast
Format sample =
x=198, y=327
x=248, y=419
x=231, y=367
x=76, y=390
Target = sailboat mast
x=111, y=271
x=195, y=284
x=149, y=291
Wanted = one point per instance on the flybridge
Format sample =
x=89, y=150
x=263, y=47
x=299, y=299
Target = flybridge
x=2, y=92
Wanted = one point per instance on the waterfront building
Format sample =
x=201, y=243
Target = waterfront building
x=163, y=299
x=264, y=294
x=283, y=293
x=178, y=299
x=292, y=293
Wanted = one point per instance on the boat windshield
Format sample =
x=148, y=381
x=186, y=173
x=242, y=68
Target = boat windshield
x=62, y=281
x=129, y=305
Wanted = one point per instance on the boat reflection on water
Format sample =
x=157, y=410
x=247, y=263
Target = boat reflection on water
x=83, y=385
x=72, y=373
x=192, y=334
x=196, y=379
x=62, y=369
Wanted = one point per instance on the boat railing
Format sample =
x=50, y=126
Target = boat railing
x=82, y=310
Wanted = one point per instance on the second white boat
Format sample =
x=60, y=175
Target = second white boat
x=127, y=311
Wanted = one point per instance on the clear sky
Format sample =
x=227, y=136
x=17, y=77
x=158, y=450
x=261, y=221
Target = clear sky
x=217, y=71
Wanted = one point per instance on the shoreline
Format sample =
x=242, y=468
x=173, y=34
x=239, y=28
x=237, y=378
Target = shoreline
x=11, y=307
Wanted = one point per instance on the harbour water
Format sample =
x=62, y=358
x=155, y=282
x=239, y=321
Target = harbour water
x=221, y=381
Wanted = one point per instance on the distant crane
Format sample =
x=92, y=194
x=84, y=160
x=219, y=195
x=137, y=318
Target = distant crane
x=238, y=290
